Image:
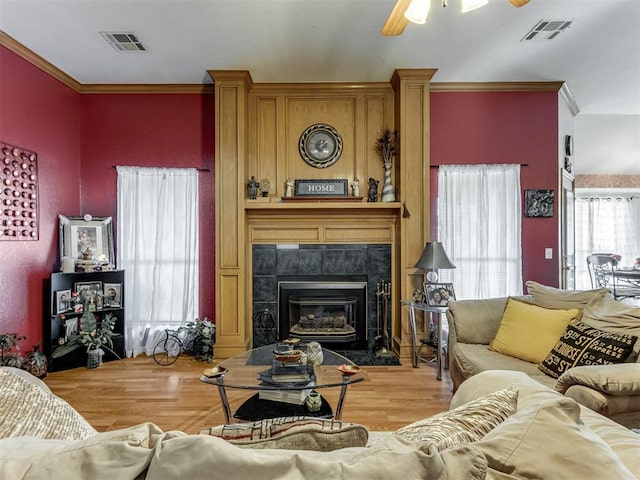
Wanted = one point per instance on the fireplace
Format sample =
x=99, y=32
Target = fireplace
x=332, y=312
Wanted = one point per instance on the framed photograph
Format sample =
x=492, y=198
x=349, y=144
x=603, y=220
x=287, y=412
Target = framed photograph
x=112, y=295
x=63, y=298
x=538, y=203
x=439, y=294
x=70, y=328
x=86, y=238
x=88, y=291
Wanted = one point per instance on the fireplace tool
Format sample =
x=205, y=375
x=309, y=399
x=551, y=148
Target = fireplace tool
x=383, y=292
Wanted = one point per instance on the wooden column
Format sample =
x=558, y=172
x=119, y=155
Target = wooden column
x=411, y=103
x=231, y=92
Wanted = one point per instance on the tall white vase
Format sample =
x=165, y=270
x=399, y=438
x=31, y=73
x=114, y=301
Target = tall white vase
x=388, y=192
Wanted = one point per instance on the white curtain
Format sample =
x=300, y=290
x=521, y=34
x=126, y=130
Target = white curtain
x=479, y=211
x=157, y=232
x=606, y=222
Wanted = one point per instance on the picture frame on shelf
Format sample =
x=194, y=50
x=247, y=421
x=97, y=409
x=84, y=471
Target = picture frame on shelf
x=112, y=295
x=439, y=294
x=88, y=291
x=63, y=299
x=70, y=328
x=86, y=238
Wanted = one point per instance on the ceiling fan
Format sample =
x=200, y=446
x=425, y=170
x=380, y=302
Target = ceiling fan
x=398, y=20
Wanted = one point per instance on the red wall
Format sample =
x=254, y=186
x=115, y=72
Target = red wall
x=40, y=114
x=151, y=130
x=504, y=127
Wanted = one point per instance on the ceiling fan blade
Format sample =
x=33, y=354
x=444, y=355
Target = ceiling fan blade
x=518, y=3
x=396, y=22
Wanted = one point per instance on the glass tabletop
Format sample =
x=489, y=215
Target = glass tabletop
x=244, y=368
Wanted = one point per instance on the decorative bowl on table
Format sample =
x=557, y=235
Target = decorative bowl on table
x=214, y=372
x=287, y=356
x=349, y=369
x=291, y=341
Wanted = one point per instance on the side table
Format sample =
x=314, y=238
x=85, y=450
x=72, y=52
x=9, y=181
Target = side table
x=423, y=307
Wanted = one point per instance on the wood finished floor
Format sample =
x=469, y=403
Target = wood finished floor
x=124, y=393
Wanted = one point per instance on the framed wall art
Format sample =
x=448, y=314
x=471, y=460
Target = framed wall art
x=86, y=238
x=538, y=203
x=18, y=193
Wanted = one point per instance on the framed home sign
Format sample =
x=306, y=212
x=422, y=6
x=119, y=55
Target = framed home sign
x=321, y=188
x=86, y=238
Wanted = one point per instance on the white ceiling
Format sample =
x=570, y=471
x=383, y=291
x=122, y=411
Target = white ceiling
x=339, y=40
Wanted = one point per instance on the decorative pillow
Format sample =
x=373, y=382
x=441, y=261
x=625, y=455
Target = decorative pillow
x=467, y=423
x=528, y=331
x=293, y=433
x=551, y=297
x=608, y=314
x=581, y=344
x=26, y=409
x=549, y=440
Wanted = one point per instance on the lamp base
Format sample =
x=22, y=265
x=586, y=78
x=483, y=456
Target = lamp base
x=431, y=276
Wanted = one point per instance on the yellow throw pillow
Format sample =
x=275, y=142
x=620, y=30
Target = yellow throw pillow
x=528, y=331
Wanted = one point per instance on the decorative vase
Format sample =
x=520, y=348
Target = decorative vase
x=388, y=192
x=36, y=363
x=94, y=358
x=313, y=402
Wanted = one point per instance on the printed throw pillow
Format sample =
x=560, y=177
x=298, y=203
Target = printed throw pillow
x=467, y=423
x=528, y=331
x=293, y=433
x=584, y=345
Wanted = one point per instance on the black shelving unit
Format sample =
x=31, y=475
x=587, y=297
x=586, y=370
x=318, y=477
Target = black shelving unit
x=53, y=325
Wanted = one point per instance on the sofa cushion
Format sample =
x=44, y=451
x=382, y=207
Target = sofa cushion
x=44, y=415
x=295, y=433
x=549, y=440
x=608, y=314
x=581, y=344
x=465, y=424
x=528, y=331
x=551, y=297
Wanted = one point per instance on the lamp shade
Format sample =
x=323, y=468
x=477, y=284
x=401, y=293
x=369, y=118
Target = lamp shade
x=434, y=257
x=417, y=11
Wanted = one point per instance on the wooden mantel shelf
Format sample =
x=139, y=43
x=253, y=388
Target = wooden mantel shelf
x=321, y=205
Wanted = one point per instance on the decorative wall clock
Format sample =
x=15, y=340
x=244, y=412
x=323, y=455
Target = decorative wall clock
x=320, y=145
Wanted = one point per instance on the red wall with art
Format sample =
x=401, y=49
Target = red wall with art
x=151, y=130
x=40, y=114
x=470, y=128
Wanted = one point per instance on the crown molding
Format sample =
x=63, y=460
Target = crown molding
x=496, y=86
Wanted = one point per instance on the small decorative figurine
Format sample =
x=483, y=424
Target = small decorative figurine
x=356, y=187
x=373, y=190
x=289, y=188
x=252, y=188
x=265, y=185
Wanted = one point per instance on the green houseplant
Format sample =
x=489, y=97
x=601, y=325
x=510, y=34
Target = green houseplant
x=93, y=336
x=10, y=348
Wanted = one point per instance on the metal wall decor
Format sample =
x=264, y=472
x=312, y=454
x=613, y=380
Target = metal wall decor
x=320, y=145
x=18, y=193
x=538, y=203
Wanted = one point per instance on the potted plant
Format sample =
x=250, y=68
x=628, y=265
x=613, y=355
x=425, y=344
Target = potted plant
x=94, y=336
x=203, y=333
x=9, y=350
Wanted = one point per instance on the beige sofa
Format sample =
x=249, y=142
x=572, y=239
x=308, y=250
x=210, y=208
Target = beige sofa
x=42, y=437
x=611, y=390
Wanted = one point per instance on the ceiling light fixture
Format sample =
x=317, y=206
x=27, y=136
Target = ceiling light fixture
x=469, y=5
x=417, y=11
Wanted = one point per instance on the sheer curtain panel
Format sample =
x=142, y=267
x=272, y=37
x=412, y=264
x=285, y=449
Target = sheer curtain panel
x=606, y=222
x=157, y=233
x=479, y=223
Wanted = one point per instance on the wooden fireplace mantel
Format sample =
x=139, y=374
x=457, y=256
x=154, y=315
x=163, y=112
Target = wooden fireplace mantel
x=257, y=127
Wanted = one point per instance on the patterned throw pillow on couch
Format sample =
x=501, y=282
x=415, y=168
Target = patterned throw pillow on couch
x=584, y=345
x=465, y=424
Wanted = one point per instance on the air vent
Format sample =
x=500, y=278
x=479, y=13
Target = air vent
x=124, y=41
x=546, y=30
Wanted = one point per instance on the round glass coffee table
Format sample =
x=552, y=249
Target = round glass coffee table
x=248, y=370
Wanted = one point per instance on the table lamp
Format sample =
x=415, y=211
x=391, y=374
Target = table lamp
x=432, y=259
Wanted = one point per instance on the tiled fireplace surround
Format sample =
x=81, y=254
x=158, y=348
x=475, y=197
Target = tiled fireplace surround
x=273, y=263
